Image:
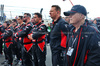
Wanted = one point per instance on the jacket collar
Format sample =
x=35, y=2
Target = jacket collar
x=56, y=21
x=82, y=26
x=38, y=23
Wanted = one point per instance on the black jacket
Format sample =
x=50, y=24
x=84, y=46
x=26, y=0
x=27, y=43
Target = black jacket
x=86, y=47
x=58, y=38
x=16, y=30
x=7, y=36
x=23, y=34
x=39, y=31
x=1, y=30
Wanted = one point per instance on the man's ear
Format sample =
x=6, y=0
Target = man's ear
x=82, y=16
x=40, y=19
x=58, y=12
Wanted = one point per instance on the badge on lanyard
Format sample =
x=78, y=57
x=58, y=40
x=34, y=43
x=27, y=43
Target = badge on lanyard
x=70, y=51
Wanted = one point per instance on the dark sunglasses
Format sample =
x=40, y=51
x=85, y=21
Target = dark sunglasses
x=25, y=16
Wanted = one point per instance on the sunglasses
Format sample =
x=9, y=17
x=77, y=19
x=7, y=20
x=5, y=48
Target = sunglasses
x=25, y=16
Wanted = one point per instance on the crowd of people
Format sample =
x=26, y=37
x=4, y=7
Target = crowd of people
x=74, y=40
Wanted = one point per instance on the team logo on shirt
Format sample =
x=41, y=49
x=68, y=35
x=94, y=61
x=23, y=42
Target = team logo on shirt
x=86, y=36
x=66, y=25
x=99, y=43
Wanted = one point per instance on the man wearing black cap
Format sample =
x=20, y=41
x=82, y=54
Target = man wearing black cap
x=83, y=48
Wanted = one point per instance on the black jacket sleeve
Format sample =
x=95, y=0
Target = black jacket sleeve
x=39, y=32
x=93, y=57
x=2, y=28
x=64, y=26
x=25, y=31
x=7, y=33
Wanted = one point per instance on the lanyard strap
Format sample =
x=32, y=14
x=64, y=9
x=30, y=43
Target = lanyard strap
x=77, y=47
x=74, y=41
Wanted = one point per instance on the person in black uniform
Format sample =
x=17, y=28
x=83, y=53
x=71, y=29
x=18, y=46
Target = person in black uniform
x=25, y=41
x=96, y=21
x=32, y=20
x=37, y=35
x=17, y=39
x=1, y=42
x=83, y=46
x=58, y=36
x=16, y=48
x=7, y=38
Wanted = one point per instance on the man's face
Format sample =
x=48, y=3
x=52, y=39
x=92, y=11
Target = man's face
x=13, y=24
x=32, y=20
x=5, y=25
x=53, y=12
x=75, y=18
x=25, y=18
x=36, y=19
x=19, y=20
x=95, y=22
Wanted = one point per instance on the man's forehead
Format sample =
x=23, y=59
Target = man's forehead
x=53, y=8
x=35, y=16
x=25, y=15
x=18, y=17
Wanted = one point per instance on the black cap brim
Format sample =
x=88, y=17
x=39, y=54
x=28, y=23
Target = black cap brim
x=68, y=13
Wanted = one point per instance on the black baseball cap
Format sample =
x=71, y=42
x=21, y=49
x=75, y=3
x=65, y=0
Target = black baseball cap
x=76, y=9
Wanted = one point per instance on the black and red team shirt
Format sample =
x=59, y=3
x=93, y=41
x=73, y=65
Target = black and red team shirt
x=24, y=32
x=27, y=43
x=15, y=29
x=7, y=36
x=39, y=31
x=18, y=29
x=86, y=47
x=58, y=36
x=1, y=30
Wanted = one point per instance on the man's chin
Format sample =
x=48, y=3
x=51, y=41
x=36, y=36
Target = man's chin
x=24, y=21
x=71, y=22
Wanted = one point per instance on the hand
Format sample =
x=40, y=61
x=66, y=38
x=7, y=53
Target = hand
x=30, y=36
x=47, y=34
x=2, y=39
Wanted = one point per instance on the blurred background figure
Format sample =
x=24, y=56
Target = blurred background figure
x=97, y=22
x=48, y=34
x=32, y=20
x=1, y=42
x=67, y=19
x=7, y=38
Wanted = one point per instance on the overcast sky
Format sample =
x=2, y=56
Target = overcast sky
x=20, y=6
